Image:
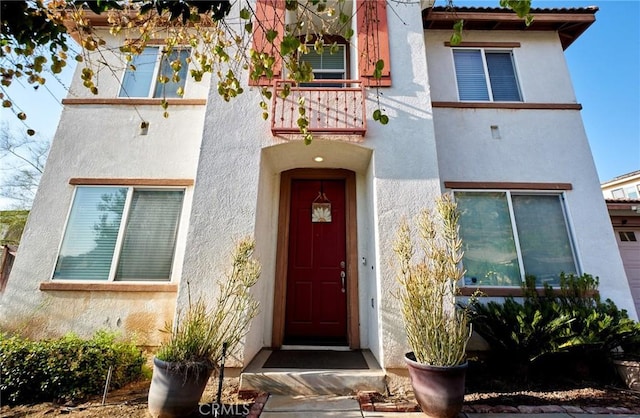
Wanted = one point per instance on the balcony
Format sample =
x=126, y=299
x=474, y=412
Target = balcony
x=331, y=110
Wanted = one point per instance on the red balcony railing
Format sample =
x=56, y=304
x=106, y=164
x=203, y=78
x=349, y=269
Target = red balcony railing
x=330, y=110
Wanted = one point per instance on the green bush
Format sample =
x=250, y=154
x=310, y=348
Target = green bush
x=571, y=327
x=66, y=368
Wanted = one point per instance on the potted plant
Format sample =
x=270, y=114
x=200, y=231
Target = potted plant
x=626, y=357
x=437, y=328
x=184, y=363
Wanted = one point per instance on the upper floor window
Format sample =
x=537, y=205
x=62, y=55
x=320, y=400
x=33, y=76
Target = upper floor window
x=486, y=75
x=330, y=65
x=152, y=73
x=121, y=234
x=508, y=235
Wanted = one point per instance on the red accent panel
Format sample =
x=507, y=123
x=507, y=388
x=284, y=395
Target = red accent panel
x=373, y=41
x=316, y=305
x=269, y=15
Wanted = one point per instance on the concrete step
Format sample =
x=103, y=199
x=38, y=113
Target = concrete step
x=312, y=381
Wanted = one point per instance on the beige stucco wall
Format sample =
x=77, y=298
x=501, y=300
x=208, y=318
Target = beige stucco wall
x=534, y=146
x=101, y=141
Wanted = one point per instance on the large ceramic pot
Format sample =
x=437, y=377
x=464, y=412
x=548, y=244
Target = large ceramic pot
x=438, y=390
x=175, y=392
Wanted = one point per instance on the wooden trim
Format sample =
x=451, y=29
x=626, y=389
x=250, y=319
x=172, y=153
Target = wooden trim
x=132, y=102
x=509, y=16
x=483, y=185
x=280, y=290
x=508, y=105
x=80, y=181
x=484, y=45
x=507, y=291
x=109, y=287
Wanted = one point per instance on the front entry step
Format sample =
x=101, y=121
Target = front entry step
x=294, y=377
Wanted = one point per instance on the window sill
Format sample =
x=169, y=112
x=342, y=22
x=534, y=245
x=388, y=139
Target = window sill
x=109, y=287
x=507, y=291
x=132, y=102
x=508, y=105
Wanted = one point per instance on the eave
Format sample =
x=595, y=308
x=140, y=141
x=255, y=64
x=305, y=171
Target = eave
x=568, y=23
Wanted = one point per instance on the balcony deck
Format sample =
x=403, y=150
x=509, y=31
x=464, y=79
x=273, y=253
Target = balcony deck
x=330, y=110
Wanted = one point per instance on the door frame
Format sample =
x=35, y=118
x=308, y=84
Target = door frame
x=282, y=253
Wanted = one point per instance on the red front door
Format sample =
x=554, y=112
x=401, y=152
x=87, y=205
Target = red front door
x=316, y=310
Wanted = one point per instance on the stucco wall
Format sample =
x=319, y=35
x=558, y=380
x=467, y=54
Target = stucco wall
x=539, y=61
x=101, y=141
x=534, y=146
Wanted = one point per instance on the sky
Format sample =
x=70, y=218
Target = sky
x=604, y=63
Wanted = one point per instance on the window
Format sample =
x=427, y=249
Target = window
x=507, y=235
x=146, y=72
x=328, y=65
x=121, y=234
x=631, y=192
x=617, y=193
x=486, y=75
x=627, y=236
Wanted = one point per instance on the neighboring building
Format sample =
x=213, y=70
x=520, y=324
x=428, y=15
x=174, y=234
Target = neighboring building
x=11, y=226
x=622, y=195
x=626, y=186
x=127, y=222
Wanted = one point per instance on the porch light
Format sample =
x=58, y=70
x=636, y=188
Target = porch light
x=318, y=159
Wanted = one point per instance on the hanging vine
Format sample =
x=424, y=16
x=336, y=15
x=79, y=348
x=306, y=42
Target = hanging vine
x=223, y=43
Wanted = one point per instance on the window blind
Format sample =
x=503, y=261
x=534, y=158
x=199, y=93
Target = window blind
x=470, y=75
x=502, y=76
x=92, y=230
x=170, y=88
x=544, y=241
x=150, y=235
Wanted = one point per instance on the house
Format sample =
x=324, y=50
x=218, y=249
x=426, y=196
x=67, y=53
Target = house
x=622, y=195
x=133, y=218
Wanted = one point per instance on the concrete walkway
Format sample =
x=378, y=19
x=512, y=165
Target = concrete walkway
x=280, y=406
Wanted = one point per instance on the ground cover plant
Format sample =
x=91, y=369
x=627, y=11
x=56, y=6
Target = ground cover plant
x=67, y=368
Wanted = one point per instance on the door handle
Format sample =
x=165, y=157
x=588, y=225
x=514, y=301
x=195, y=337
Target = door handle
x=343, y=276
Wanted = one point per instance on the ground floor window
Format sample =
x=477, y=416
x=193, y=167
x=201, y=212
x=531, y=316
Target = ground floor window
x=120, y=234
x=509, y=235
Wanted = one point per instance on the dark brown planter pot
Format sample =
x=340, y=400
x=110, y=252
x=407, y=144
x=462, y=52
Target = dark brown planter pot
x=175, y=392
x=438, y=390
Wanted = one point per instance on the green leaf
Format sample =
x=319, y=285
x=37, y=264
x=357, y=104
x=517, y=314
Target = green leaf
x=384, y=119
x=249, y=27
x=289, y=45
x=271, y=35
x=348, y=33
x=245, y=14
x=291, y=5
x=376, y=114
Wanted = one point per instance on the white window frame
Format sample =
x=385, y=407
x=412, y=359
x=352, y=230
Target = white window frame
x=126, y=210
x=329, y=71
x=154, y=76
x=514, y=229
x=485, y=68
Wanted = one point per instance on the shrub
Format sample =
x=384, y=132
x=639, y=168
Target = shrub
x=66, y=368
x=572, y=322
